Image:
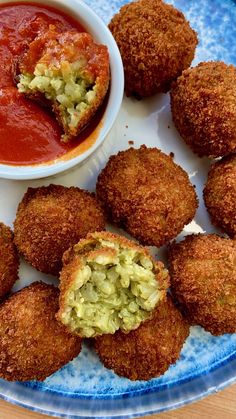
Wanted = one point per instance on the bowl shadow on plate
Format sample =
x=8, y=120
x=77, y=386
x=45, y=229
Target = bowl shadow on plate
x=153, y=104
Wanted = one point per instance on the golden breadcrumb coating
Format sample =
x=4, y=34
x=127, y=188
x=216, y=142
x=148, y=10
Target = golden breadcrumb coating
x=108, y=283
x=147, y=194
x=156, y=44
x=203, y=279
x=33, y=345
x=148, y=351
x=203, y=104
x=9, y=261
x=71, y=71
x=51, y=219
x=220, y=194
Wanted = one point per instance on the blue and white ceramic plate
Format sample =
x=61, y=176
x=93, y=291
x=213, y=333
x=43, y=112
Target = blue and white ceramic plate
x=84, y=388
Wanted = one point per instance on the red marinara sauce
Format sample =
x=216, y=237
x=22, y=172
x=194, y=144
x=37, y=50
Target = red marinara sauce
x=29, y=134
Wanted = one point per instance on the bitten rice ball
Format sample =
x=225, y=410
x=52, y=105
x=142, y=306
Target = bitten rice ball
x=9, y=261
x=147, y=194
x=109, y=283
x=220, y=194
x=156, y=44
x=148, y=351
x=203, y=103
x=69, y=71
x=203, y=280
x=51, y=219
x=33, y=345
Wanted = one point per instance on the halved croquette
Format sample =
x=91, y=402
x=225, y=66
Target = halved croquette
x=108, y=283
x=71, y=71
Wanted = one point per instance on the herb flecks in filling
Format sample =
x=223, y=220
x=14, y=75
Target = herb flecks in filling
x=64, y=85
x=115, y=287
x=71, y=71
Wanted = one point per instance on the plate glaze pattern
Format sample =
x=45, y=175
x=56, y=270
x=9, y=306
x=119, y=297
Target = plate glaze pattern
x=201, y=353
x=84, y=388
x=214, y=21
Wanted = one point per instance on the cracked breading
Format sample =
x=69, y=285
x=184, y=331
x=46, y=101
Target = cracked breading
x=147, y=194
x=203, y=280
x=9, y=261
x=109, y=283
x=51, y=219
x=71, y=71
x=148, y=351
x=203, y=104
x=220, y=194
x=33, y=344
x=156, y=43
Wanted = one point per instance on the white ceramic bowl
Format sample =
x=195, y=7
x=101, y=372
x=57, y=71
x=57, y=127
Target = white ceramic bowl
x=97, y=28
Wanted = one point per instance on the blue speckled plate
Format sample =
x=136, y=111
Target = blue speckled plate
x=84, y=388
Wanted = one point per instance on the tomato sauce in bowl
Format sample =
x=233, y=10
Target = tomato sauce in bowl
x=29, y=133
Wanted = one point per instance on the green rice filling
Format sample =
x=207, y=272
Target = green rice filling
x=112, y=292
x=65, y=85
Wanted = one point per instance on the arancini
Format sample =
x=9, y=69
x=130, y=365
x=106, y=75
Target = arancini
x=220, y=194
x=203, y=280
x=69, y=71
x=52, y=218
x=33, y=344
x=109, y=283
x=9, y=261
x=146, y=193
x=156, y=44
x=148, y=351
x=203, y=104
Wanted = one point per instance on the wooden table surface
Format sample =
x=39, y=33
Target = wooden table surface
x=219, y=406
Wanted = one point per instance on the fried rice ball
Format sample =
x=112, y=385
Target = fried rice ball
x=203, y=280
x=108, y=283
x=71, y=72
x=33, y=345
x=203, y=104
x=51, y=219
x=156, y=44
x=9, y=261
x=220, y=194
x=147, y=194
x=148, y=351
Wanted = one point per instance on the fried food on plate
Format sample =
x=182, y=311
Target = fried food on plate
x=108, y=283
x=147, y=194
x=71, y=71
x=203, y=279
x=33, y=344
x=9, y=261
x=51, y=219
x=203, y=103
x=220, y=194
x=148, y=351
x=156, y=44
